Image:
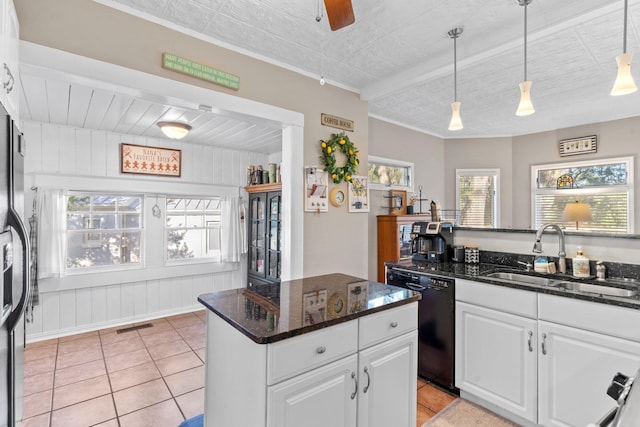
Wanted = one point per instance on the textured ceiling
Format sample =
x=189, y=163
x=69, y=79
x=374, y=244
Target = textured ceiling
x=398, y=57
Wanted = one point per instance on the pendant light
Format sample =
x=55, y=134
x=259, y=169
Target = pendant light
x=456, y=121
x=624, y=83
x=318, y=20
x=525, y=108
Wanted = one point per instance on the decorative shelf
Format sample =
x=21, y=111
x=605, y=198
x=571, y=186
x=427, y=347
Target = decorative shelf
x=260, y=188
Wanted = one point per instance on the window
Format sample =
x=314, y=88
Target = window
x=387, y=174
x=193, y=228
x=606, y=185
x=103, y=230
x=477, y=197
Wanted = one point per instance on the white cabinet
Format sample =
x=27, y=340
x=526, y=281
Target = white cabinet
x=496, y=346
x=583, y=345
x=324, y=397
x=548, y=364
x=496, y=358
x=360, y=373
x=9, y=59
x=387, y=392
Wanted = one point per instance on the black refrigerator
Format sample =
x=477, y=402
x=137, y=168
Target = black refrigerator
x=14, y=289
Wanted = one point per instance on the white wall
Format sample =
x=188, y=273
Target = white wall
x=79, y=159
x=425, y=151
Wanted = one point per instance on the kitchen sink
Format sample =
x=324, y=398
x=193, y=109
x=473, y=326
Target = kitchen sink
x=521, y=278
x=596, y=289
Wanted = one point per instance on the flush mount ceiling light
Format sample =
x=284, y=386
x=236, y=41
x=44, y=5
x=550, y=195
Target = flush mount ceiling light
x=174, y=130
x=525, y=108
x=624, y=83
x=456, y=121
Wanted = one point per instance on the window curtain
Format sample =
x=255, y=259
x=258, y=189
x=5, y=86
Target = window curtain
x=233, y=235
x=51, y=210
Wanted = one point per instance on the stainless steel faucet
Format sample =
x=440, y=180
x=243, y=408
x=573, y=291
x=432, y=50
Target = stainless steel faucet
x=562, y=256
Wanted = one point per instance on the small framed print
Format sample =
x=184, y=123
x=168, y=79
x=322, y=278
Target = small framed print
x=314, y=307
x=359, y=194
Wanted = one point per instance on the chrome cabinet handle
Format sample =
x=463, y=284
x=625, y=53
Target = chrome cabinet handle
x=321, y=349
x=8, y=85
x=355, y=391
x=366, y=371
x=544, y=343
x=394, y=324
x=530, y=341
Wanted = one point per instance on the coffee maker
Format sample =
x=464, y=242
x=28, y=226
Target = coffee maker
x=431, y=241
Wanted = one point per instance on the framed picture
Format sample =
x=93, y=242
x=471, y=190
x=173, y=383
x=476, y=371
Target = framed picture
x=314, y=307
x=359, y=194
x=315, y=194
x=147, y=160
x=397, y=202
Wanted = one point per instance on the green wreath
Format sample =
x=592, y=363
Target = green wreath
x=340, y=141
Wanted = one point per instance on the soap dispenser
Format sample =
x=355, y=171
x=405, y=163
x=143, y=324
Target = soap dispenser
x=581, y=265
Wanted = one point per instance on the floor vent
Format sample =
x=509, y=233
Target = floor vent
x=135, y=328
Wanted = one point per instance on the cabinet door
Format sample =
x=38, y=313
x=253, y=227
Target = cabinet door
x=323, y=397
x=257, y=257
x=576, y=367
x=274, y=235
x=387, y=375
x=496, y=358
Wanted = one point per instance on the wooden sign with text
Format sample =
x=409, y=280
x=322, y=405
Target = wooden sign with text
x=336, y=122
x=145, y=160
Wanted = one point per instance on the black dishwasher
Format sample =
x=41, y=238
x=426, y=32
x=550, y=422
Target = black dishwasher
x=436, y=323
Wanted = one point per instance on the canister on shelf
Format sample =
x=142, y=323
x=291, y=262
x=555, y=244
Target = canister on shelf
x=272, y=173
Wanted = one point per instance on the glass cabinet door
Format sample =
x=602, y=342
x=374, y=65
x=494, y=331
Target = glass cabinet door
x=257, y=234
x=274, y=233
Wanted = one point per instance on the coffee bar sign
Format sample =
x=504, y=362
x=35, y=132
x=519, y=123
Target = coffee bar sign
x=145, y=160
x=336, y=122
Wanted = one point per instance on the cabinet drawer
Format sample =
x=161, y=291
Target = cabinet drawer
x=502, y=298
x=296, y=355
x=387, y=324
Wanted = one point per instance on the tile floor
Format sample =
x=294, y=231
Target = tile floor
x=431, y=400
x=144, y=377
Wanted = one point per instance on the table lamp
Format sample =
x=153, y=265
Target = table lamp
x=576, y=212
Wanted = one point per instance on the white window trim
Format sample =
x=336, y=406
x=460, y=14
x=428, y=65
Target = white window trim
x=481, y=172
x=592, y=190
x=392, y=162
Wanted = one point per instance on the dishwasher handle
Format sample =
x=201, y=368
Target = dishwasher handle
x=414, y=287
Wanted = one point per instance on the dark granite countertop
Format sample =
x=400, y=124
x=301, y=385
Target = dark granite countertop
x=477, y=272
x=270, y=313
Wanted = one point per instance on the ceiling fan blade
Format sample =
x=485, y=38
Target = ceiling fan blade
x=340, y=13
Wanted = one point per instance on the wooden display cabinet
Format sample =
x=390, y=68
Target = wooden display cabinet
x=394, y=241
x=264, y=233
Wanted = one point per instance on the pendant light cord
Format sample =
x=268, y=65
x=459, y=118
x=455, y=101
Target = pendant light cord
x=525, y=40
x=624, y=40
x=455, y=68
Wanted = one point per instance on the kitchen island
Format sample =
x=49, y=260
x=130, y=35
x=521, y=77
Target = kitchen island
x=332, y=350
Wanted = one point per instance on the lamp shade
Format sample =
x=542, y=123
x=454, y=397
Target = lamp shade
x=525, y=108
x=624, y=83
x=456, y=121
x=576, y=212
x=174, y=130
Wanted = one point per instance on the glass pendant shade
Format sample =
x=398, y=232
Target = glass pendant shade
x=624, y=83
x=525, y=108
x=456, y=121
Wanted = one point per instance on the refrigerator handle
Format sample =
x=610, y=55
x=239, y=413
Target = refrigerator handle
x=16, y=223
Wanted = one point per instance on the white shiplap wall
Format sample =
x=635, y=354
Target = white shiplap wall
x=71, y=158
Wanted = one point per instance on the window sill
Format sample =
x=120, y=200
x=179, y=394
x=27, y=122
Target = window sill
x=88, y=280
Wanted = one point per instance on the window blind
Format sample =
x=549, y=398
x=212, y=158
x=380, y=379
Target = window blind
x=476, y=200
